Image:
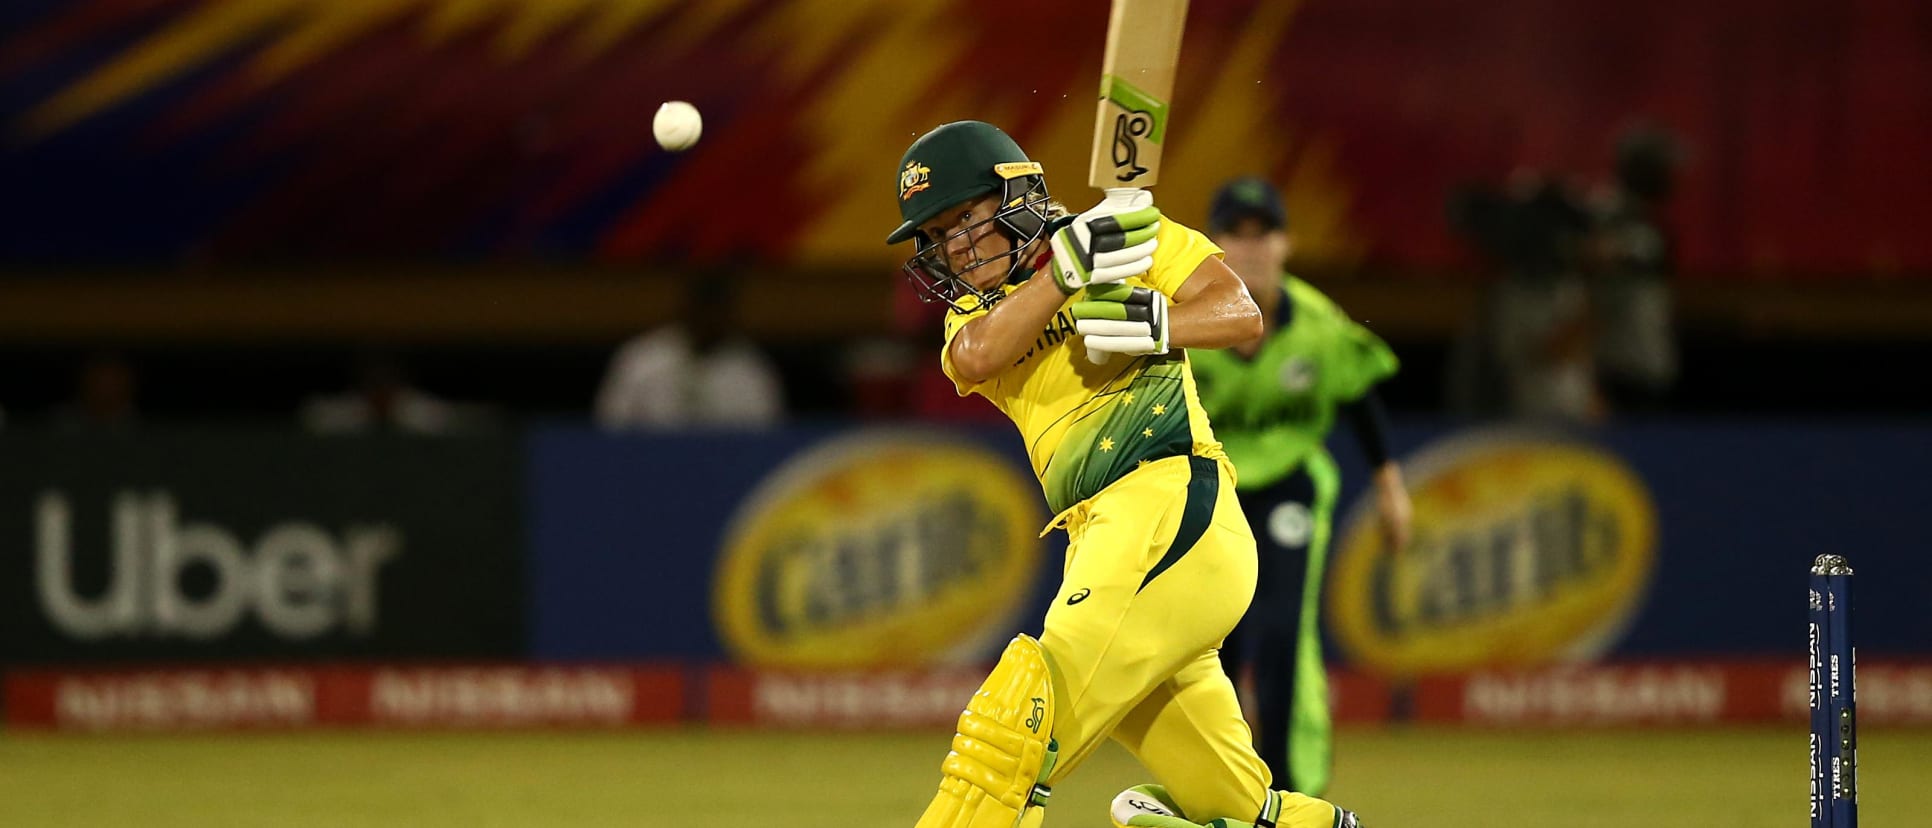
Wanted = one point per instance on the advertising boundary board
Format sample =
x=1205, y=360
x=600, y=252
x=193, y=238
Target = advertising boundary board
x=1633, y=695
x=246, y=544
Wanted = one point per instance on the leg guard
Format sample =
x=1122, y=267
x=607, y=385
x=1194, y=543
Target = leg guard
x=1004, y=750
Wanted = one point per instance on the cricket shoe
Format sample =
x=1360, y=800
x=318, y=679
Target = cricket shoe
x=1149, y=806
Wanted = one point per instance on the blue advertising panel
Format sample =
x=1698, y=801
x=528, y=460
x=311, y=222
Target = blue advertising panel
x=800, y=548
x=1740, y=511
x=838, y=547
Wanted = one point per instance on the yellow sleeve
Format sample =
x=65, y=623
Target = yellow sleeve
x=1181, y=250
x=955, y=321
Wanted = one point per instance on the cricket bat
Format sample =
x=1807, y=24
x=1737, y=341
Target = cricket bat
x=1136, y=82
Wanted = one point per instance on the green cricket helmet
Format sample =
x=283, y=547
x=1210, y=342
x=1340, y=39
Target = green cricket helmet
x=956, y=163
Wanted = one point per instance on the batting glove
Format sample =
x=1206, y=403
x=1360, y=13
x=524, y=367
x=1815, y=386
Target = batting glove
x=1110, y=243
x=1122, y=319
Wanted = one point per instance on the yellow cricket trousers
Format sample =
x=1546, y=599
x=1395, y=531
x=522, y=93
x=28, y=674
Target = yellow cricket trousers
x=1160, y=565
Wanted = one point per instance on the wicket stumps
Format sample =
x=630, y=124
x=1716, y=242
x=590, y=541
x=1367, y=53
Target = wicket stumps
x=1834, y=683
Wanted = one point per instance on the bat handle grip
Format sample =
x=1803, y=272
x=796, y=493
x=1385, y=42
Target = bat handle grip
x=1126, y=199
x=1119, y=200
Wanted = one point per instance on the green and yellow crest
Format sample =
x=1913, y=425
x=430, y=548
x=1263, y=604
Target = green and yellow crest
x=916, y=177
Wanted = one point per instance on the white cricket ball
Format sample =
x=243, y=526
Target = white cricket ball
x=677, y=126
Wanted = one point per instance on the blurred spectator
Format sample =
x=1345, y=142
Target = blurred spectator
x=881, y=373
x=699, y=371
x=1630, y=266
x=901, y=377
x=1529, y=354
x=383, y=400
x=104, y=396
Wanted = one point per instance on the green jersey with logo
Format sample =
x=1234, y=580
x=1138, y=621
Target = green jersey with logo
x=1273, y=412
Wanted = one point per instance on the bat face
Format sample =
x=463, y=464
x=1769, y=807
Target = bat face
x=1137, y=78
x=1139, y=125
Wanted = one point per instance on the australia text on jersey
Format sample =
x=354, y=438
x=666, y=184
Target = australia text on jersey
x=1059, y=329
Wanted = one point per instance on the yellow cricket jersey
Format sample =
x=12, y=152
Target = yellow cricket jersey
x=1086, y=425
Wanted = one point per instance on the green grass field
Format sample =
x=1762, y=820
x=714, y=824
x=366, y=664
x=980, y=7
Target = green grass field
x=1394, y=778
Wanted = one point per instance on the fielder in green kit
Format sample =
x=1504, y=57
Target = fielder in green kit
x=1272, y=407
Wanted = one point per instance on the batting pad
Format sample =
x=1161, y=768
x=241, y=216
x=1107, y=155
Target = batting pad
x=1004, y=748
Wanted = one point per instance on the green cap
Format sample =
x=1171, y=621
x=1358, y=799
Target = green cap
x=956, y=162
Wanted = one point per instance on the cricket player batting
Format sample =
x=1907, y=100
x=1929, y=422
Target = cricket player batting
x=1075, y=326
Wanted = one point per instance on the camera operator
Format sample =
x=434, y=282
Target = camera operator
x=1530, y=354
x=1630, y=265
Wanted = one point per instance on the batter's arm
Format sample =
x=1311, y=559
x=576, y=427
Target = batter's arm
x=992, y=343
x=1212, y=309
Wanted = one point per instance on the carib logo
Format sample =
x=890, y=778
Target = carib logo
x=878, y=550
x=1526, y=550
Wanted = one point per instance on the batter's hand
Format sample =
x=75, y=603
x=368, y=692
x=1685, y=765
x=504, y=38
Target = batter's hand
x=1122, y=319
x=1112, y=242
